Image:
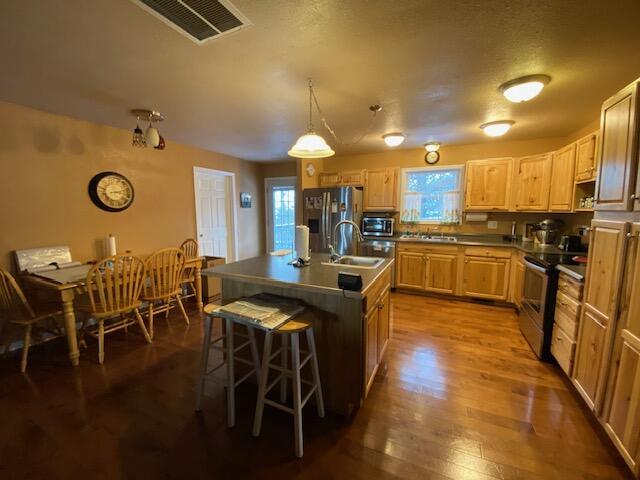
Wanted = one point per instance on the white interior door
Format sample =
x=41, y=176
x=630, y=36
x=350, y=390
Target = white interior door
x=213, y=192
x=280, y=194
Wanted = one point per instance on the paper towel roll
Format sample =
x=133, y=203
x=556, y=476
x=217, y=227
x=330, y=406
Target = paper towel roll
x=302, y=242
x=111, y=245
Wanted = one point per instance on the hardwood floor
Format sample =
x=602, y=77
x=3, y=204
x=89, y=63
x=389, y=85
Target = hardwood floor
x=462, y=397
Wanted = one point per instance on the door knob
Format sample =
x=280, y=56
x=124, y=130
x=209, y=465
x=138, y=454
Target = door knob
x=200, y=235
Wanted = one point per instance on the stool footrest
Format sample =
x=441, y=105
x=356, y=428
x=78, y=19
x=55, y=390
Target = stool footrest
x=308, y=395
x=244, y=377
x=215, y=368
x=279, y=406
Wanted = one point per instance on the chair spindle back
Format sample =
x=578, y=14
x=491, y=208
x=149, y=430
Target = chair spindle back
x=13, y=303
x=115, y=284
x=165, y=269
x=190, y=248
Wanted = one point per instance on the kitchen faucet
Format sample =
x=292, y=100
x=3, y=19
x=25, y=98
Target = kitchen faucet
x=332, y=251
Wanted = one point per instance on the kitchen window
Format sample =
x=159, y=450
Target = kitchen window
x=431, y=195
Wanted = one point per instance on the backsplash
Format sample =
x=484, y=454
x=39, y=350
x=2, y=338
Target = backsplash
x=572, y=221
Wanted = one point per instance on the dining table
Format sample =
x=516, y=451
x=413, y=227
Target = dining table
x=73, y=284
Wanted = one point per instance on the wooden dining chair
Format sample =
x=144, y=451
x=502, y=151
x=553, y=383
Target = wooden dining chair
x=190, y=249
x=164, y=271
x=114, y=286
x=15, y=311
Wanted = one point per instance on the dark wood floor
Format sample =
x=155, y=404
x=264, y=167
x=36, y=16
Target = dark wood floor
x=462, y=398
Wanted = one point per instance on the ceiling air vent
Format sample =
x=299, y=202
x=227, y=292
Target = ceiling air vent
x=200, y=20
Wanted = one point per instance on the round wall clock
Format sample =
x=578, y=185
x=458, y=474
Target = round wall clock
x=432, y=158
x=111, y=191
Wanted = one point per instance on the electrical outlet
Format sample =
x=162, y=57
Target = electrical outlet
x=492, y=225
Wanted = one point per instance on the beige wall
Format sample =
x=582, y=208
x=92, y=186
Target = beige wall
x=46, y=162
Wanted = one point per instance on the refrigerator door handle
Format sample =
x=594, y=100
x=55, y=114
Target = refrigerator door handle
x=327, y=220
x=323, y=220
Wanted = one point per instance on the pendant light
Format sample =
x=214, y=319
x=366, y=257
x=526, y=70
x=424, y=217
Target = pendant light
x=311, y=145
x=151, y=136
x=138, y=139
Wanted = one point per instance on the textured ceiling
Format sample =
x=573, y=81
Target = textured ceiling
x=433, y=65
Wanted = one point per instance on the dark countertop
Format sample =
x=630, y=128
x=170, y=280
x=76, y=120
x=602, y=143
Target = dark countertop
x=576, y=271
x=275, y=271
x=488, y=241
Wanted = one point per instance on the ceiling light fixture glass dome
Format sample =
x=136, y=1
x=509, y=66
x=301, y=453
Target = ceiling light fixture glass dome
x=432, y=146
x=393, y=139
x=524, y=89
x=498, y=128
x=311, y=145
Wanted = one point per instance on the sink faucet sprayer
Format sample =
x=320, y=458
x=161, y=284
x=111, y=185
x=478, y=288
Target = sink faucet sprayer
x=332, y=251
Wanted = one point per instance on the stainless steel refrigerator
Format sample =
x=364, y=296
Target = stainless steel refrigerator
x=323, y=208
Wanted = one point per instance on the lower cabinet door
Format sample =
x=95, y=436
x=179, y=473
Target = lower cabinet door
x=441, y=272
x=623, y=420
x=589, y=352
x=384, y=325
x=411, y=270
x=486, y=278
x=371, y=348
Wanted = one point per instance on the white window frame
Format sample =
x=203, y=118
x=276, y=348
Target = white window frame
x=403, y=186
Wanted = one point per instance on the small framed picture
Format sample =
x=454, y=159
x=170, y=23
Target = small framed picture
x=245, y=200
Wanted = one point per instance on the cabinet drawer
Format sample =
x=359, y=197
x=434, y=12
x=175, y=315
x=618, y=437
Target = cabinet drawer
x=570, y=286
x=568, y=305
x=567, y=323
x=496, y=252
x=424, y=247
x=376, y=289
x=562, y=348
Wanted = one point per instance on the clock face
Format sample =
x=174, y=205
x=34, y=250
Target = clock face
x=432, y=157
x=111, y=191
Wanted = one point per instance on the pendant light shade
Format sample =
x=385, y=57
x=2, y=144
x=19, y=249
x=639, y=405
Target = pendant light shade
x=311, y=145
x=152, y=136
x=138, y=139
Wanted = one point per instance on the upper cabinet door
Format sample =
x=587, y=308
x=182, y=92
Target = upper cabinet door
x=532, y=183
x=562, y=184
x=618, y=151
x=380, y=189
x=488, y=183
x=586, y=158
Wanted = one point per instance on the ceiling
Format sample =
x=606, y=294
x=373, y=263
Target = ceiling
x=434, y=66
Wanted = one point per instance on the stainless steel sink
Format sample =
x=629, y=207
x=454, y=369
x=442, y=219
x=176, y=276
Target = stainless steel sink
x=357, y=262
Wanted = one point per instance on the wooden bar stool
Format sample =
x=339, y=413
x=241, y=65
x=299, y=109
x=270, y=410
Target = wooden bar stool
x=290, y=331
x=226, y=344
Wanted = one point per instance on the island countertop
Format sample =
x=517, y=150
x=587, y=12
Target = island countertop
x=316, y=277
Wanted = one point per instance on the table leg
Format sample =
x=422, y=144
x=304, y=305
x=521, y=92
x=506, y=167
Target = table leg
x=198, y=279
x=70, y=327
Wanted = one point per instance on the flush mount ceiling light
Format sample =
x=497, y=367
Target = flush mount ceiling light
x=497, y=129
x=312, y=145
x=524, y=89
x=393, y=139
x=432, y=146
x=151, y=137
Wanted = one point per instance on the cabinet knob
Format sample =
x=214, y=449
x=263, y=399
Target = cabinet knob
x=632, y=197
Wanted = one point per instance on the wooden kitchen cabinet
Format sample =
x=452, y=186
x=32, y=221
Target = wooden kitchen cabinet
x=488, y=184
x=518, y=280
x=532, y=182
x=378, y=330
x=486, y=277
x=371, y=348
x=341, y=179
x=384, y=325
x=410, y=270
x=586, y=158
x=621, y=418
x=617, y=165
x=562, y=179
x=601, y=293
x=440, y=272
x=589, y=356
x=380, y=189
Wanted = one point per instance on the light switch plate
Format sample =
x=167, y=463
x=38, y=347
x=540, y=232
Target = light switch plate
x=492, y=224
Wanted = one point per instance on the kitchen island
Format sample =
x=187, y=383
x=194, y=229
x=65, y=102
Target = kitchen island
x=352, y=328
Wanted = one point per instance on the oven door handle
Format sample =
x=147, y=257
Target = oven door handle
x=533, y=266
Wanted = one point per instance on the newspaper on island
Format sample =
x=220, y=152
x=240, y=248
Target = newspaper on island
x=263, y=310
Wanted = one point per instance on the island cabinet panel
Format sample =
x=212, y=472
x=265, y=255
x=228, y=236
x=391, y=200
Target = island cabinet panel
x=586, y=158
x=380, y=189
x=532, y=182
x=410, y=270
x=441, y=272
x=488, y=184
x=384, y=325
x=618, y=151
x=371, y=349
x=486, y=277
x=562, y=179
x=622, y=411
